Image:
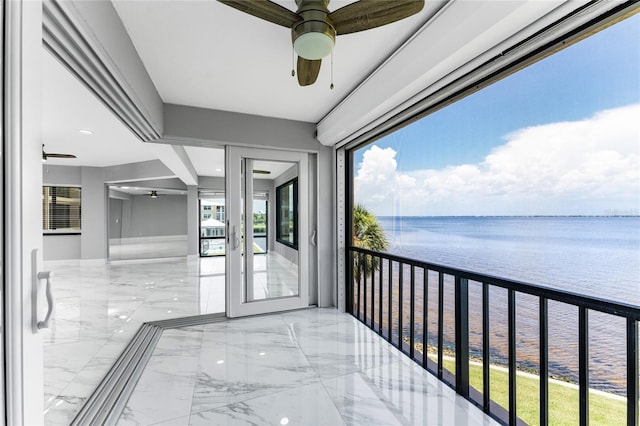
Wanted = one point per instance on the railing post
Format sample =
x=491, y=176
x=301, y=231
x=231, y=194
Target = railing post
x=374, y=264
x=440, y=322
x=359, y=270
x=462, y=335
x=400, y=302
x=412, y=317
x=632, y=372
x=380, y=300
x=544, y=362
x=349, y=279
x=583, y=364
x=486, y=351
x=425, y=316
x=390, y=303
x=365, y=271
x=511, y=318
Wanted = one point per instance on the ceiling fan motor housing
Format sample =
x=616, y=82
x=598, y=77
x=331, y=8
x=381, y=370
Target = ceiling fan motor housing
x=313, y=37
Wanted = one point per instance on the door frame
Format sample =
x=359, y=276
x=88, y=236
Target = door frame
x=234, y=258
x=22, y=218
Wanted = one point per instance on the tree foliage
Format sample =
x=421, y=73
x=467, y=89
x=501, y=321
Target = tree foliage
x=368, y=234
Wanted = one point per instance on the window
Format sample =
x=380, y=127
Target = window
x=220, y=213
x=535, y=178
x=206, y=207
x=206, y=216
x=61, y=210
x=287, y=214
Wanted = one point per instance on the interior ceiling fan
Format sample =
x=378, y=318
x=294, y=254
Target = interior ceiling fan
x=47, y=155
x=314, y=28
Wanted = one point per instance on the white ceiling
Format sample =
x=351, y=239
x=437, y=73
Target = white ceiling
x=206, y=161
x=210, y=162
x=143, y=190
x=69, y=107
x=206, y=54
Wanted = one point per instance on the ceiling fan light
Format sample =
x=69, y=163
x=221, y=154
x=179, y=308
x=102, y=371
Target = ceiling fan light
x=314, y=45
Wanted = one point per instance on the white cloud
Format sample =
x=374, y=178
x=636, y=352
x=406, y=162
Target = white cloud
x=577, y=167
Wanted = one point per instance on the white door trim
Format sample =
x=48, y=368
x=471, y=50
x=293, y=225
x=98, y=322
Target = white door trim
x=22, y=103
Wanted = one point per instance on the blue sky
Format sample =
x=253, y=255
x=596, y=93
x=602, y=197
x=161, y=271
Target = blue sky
x=597, y=74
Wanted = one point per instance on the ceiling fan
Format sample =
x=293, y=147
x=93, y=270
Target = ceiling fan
x=314, y=28
x=47, y=155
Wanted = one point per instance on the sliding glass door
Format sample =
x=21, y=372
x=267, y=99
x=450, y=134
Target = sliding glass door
x=267, y=242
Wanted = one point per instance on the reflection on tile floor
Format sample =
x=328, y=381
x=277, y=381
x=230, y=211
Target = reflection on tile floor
x=99, y=307
x=274, y=276
x=316, y=366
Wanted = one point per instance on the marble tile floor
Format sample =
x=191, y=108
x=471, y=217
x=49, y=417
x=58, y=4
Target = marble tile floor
x=315, y=366
x=274, y=276
x=99, y=307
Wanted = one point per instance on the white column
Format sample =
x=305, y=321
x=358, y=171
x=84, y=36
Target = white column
x=193, y=222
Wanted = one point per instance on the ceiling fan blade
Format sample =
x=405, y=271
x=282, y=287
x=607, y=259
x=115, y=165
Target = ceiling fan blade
x=59, y=155
x=308, y=71
x=367, y=14
x=264, y=9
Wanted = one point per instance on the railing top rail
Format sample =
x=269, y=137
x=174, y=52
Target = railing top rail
x=589, y=302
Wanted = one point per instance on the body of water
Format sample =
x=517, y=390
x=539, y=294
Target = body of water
x=596, y=256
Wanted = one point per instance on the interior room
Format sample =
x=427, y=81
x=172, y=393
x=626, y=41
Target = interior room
x=178, y=197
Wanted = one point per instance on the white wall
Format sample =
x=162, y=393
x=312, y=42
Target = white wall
x=93, y=242
x=61, y=247
x=162, y=216
x=139, y=215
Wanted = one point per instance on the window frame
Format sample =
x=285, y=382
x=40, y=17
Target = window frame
x=293, y=183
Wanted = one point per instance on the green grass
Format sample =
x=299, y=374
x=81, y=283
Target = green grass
x=563, y=400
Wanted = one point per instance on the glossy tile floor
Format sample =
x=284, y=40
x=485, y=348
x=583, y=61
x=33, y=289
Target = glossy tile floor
x=99, y=307
x=315, y=366
x=274, y=276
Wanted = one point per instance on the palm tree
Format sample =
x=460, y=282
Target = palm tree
x=368, y=234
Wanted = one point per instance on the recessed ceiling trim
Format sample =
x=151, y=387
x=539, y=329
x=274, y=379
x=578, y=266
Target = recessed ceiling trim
x=64, y=38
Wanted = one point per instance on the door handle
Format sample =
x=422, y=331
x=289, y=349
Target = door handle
x=46, y=275
x=235, y=240
x=36, y=278
x=314, y=238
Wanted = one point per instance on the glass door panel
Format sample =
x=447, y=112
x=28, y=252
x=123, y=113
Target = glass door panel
x=275, y=272
x=264, y=275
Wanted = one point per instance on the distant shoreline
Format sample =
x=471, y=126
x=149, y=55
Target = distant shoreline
x=517, y=216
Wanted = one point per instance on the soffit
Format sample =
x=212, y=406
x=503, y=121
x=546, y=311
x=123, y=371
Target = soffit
x=69, y=107
x=206, y=54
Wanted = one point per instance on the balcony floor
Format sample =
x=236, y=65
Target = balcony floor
x=315, y=366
